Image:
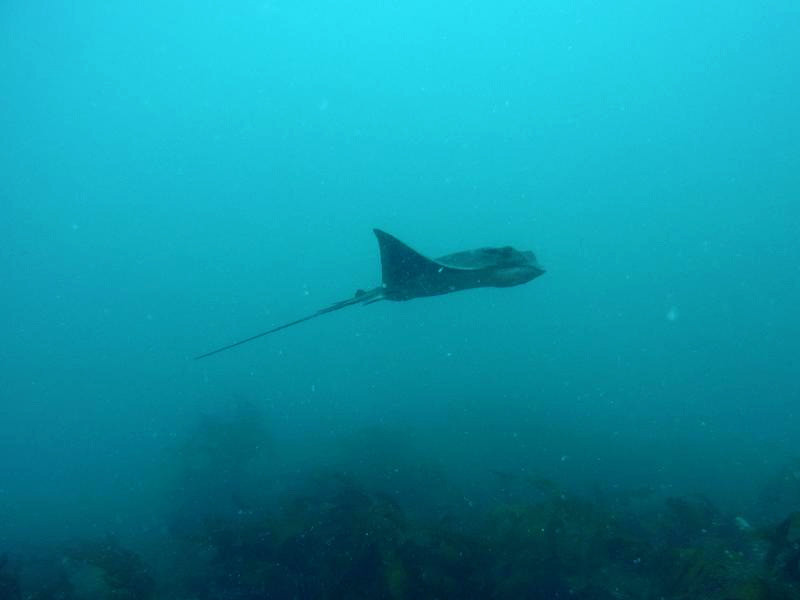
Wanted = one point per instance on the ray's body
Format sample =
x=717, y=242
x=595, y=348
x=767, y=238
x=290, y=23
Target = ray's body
x=407, y=274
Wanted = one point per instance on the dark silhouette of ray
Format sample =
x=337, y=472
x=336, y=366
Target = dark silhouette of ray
x=407, y=274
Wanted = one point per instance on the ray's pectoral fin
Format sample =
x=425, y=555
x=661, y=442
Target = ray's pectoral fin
x=401, y=264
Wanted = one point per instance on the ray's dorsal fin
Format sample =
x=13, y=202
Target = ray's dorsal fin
x=400, y=263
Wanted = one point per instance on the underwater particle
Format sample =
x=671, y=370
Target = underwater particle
x=672, y=314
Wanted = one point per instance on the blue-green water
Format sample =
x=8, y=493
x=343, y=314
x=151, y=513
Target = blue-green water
x=176, y=176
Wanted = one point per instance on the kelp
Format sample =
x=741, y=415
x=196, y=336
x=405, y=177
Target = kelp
x=332, y=538
x=381, y=522
x=338, y=540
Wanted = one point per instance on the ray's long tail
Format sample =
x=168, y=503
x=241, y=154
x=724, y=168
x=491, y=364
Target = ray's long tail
x=361, y=297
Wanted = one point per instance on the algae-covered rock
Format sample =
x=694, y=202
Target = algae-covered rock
x=784, y=551
x=700, y=572
x=564, y=545
x=107, y=569
x=761, y=588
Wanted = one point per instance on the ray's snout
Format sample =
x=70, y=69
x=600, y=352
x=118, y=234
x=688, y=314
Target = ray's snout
x=533, y=264
x=519, y=273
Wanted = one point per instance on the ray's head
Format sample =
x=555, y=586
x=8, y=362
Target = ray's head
x=518, y=266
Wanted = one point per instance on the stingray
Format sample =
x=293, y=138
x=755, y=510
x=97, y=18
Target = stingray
x=407, y=274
